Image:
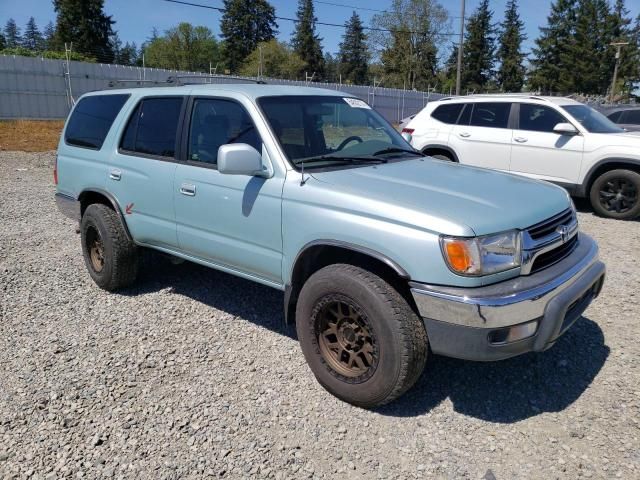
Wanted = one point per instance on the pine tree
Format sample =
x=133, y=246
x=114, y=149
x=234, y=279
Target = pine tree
x=589, y=46
x=84, y=23
x=306, y=42
x=620, y=30
x=12, y=36
x=244, y=25
x=353, y=52
x=49, y=32
x=32, y=38
x=128, y=54
x=552, y=57
x=332, y=67
x=2, y=42
x=511, y=72
x=479, y=49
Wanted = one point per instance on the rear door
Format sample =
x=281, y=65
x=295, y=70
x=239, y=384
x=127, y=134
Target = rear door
x=233, y=221
x=482, y=136
x=142, y=170
x=539, y=152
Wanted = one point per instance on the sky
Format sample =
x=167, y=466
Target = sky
x=136, y=18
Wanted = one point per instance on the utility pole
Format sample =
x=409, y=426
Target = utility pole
x=260, y=67
x=459, y=70
x=618, y=46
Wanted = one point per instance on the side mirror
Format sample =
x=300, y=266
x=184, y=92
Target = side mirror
x=565, y=129
x=239, y=159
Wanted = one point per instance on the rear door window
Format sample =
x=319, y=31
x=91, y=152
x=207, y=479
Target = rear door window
x=91, y=120
x=493, y=115
x=538, y=118
x=448, y=113
x=153, y=126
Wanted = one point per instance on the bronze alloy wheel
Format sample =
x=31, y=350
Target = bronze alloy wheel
x=618, y=195
x=346, y=339
x=95, y=246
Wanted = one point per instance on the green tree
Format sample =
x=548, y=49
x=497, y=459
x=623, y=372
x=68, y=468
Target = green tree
x=553, y=55
x=353, y=52
x=479, y=49
x=32, y=38
x=331, y=67
x=49, y=32
x=447, y=75
x=12, y=36
x=184, y=47
x=278, y=60
x=84, y=23
x=620, y=29
x=128, y=54
x=511, y=72
x=405, y=40
x=306, y=42
x=244, y=24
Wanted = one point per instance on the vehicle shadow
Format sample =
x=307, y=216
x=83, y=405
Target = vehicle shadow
x=501, y=392
x=233, y=295
x=510, y=390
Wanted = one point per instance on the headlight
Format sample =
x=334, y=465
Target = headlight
x=482, y=255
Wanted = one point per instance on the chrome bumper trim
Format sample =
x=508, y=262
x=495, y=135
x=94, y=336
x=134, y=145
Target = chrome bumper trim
x=506, y=303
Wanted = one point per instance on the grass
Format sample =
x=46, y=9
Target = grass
x=30, y=135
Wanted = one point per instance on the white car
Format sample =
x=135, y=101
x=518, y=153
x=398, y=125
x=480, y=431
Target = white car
x=548, y=138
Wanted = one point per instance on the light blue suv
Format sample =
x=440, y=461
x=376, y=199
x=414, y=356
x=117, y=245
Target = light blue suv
x=382, y=254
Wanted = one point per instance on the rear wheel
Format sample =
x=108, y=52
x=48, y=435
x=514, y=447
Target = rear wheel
x=616, y=194
x=360, y=337
x=111, y=258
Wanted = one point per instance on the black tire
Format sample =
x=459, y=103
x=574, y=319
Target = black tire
x=616, y=194
x=398, y=340
x=111, y=258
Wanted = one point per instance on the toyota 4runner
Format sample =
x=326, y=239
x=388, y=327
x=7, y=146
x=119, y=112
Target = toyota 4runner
x=383, y=254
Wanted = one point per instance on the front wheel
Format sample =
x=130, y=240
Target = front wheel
x=615, y=194
x=360, y=337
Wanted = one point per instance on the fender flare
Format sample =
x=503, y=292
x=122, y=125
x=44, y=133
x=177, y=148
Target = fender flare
x=114, y=204
x=442, y=147
x=288, y=289
x=589, y=177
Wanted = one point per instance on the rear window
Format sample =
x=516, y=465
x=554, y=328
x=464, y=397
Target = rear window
x=494, y=115
x=153, y=126
x=91, y=120
x=448, y=113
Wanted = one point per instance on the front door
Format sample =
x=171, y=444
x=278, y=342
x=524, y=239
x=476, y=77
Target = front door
x=482, y=136
x=539, y=152
x=233, y=221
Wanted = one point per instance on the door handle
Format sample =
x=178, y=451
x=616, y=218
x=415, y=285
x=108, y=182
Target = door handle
x=115, y=174
x=188, y=189
x=521, y=139
x=465, y=134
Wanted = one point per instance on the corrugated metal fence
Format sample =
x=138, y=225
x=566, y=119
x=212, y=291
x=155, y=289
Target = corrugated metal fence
x=41, y=88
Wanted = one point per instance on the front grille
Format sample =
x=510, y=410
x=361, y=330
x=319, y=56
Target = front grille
x=543, y=229
x=554, y=256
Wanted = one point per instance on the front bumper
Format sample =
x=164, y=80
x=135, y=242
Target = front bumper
x=466, y=322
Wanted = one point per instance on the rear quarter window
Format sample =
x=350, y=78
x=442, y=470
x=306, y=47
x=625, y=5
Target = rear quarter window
x=91, y=120
x=448, y=113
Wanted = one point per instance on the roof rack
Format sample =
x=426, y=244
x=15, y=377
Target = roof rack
x=139, y=83
x=178, y=79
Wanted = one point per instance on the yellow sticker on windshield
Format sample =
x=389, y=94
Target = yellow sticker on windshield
x=356, y=103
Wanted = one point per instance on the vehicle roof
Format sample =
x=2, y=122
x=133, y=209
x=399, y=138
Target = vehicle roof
x=510, y=98
x=252, y=91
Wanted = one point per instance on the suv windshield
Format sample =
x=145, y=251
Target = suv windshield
x=324, y=130
x=592, y=120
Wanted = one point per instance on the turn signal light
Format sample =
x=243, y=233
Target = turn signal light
x=459, y=256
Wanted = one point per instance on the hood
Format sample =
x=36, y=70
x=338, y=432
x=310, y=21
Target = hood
x=438, y=196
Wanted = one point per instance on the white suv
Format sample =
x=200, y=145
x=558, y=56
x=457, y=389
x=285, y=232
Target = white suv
x=548, y=138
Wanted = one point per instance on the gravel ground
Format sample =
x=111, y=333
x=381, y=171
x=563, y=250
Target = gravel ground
x=192, y=374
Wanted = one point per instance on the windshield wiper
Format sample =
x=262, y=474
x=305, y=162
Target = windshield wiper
x=331, y=158
x=398, y=150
